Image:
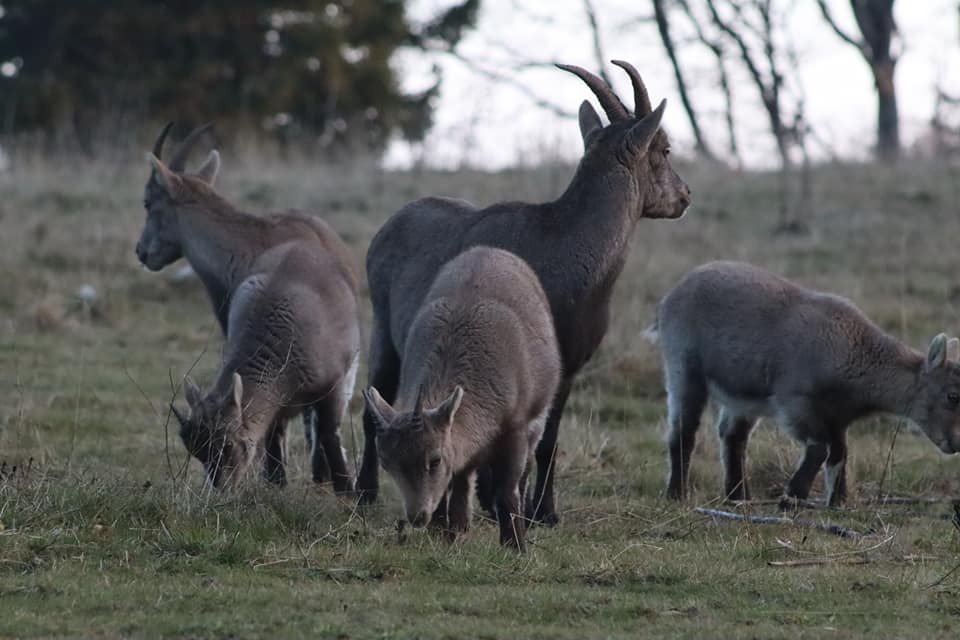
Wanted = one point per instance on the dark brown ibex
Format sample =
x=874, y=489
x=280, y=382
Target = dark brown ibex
x=762, y=346
x=283, y=289
x=480, y=368
x=577, y=245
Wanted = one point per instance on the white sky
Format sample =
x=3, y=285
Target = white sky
x=491, y=124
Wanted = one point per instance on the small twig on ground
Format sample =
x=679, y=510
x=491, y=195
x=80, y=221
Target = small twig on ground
x=812, y=562
x=914, y=499
x=835, y=529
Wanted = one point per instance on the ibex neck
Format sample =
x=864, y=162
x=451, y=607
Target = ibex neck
x=894, y=387
x=219, y=243
x=597, y=213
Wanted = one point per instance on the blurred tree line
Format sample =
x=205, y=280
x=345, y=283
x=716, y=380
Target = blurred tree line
x=299, y=68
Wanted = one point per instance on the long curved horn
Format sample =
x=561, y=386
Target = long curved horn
x=608, y=99
x=179, y=159
x=158, y=145
x=641, y=99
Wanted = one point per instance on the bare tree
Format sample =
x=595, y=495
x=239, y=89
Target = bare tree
x=663, y=26
x=750, y=27
x=723, y=77
x=877, y=28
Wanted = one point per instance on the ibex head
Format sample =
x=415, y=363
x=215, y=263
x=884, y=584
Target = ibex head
x=415, y=449
x=936, y=405
x=168, y=190
x=213, y=432
x=634, y=141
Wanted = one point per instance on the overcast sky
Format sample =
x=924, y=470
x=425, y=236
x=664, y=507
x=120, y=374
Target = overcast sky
x=492, y=124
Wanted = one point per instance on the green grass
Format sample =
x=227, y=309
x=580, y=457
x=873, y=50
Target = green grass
x=105, y=529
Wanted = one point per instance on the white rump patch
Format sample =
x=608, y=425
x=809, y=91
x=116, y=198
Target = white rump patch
x=830, y=474
x=349, y=381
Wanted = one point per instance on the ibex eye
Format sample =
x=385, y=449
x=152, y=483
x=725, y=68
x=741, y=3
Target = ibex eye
x=953, y=398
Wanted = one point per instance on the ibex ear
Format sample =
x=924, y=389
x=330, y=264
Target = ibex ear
x=210, y=168
x=589, y=120
x=238, y=391
x=442, y=416
x=379, y=408
x=937, y=354
x=192, y=393
x=641, y=134
x=166, y=178
x=953, y=350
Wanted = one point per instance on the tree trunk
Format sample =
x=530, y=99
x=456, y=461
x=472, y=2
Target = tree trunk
x=888, y=121
x=663, y=26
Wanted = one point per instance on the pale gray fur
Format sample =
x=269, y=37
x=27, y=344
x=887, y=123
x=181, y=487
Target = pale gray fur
x=762, y=346
x=484, y=328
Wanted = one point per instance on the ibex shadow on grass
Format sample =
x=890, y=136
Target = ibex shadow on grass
x=480, y=368
x=576, y=244
x=283, y=289
x=762, y=346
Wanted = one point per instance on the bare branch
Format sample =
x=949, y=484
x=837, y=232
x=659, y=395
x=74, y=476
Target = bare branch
x=595, y=35
x=843, y=35
x=513, y=82
x=663, y=26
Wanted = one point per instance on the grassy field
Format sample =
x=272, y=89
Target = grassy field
x=105, y=529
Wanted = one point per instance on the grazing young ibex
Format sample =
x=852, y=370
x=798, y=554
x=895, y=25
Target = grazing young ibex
x=480, y=369
x=762, y=346
x=283, y=288
x=576, y=244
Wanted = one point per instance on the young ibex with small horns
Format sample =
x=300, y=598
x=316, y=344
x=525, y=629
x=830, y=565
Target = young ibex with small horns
x=283, y=288
x=576, y=244
x=480, y=368
x=762, y=346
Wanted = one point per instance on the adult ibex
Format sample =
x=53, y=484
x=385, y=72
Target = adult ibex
x=480, y=368
x=576, y=244
x=283, y=289
x=762, y=346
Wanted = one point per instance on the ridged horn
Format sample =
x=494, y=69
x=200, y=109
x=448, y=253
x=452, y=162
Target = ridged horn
x=158, y=145
x=608, y=99
x=641, y=99
x=179, y=159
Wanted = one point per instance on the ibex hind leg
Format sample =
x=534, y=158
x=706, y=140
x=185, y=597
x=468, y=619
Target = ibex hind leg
x=508, y=470
x=330, y=411
x=734, y=431
x=686, y=399
x=835, y=471
x=274, y=471
x=799, y=486
x=319, y=467
x=543, y=509
x=384, y=375
x=485, y=495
